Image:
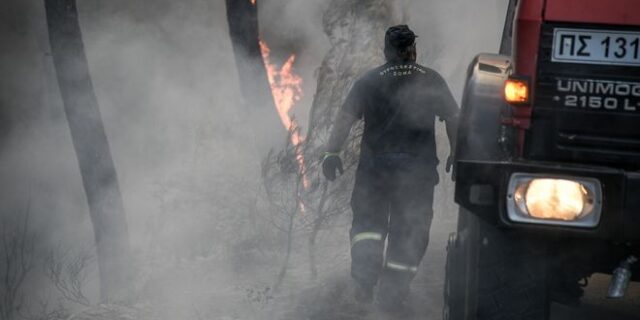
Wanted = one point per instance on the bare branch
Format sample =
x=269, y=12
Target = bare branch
x=68, y=273
x=18, y=254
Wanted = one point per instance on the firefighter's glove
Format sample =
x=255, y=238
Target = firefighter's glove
x=330, y=163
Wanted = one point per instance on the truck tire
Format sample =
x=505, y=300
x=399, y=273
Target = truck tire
x=494, y=274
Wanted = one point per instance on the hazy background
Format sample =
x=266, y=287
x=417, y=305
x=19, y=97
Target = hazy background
x=168, y=90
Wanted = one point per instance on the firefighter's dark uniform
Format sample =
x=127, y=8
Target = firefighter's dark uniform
x=396, y=175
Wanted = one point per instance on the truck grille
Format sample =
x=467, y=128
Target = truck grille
x=570, y=122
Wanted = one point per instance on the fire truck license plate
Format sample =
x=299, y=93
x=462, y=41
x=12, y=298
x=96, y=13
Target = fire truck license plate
x=596, y=47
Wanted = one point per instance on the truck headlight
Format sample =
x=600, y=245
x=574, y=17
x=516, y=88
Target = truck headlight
x=555, y=200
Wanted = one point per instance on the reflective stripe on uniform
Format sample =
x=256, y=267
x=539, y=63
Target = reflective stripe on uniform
x=366, y=236
x=401, y=267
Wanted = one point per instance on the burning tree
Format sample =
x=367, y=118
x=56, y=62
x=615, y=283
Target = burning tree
x=248, y=51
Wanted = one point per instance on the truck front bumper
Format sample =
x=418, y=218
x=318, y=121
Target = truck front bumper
x=482, y=188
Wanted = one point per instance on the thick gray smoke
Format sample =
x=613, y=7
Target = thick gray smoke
x=205, y=245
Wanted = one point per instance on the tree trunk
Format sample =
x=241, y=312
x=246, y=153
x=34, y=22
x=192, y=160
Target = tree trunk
x=260, y=109
x=92, y=149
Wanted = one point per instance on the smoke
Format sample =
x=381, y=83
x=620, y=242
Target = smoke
x=168, y=90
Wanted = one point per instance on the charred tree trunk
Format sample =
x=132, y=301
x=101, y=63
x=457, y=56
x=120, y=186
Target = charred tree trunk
x=92, y=149
x=260, y=108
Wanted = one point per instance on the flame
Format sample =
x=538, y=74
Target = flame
x=286, y=88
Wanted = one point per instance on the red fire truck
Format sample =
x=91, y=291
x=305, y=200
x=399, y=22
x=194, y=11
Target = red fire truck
x=548, y=161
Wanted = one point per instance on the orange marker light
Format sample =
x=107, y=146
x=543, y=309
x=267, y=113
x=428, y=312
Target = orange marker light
x=516, y=91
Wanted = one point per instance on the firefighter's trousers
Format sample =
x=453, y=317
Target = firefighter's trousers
x=392, y=199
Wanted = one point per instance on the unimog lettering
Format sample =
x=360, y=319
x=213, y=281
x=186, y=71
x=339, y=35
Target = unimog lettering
x=598, y=94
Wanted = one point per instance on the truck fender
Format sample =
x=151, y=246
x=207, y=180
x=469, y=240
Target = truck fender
x=483, y=104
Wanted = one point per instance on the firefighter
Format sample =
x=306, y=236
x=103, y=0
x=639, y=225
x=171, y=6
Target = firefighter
x=393, y=193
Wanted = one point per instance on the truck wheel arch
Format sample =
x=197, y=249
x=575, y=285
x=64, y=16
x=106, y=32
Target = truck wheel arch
x=482, y=107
